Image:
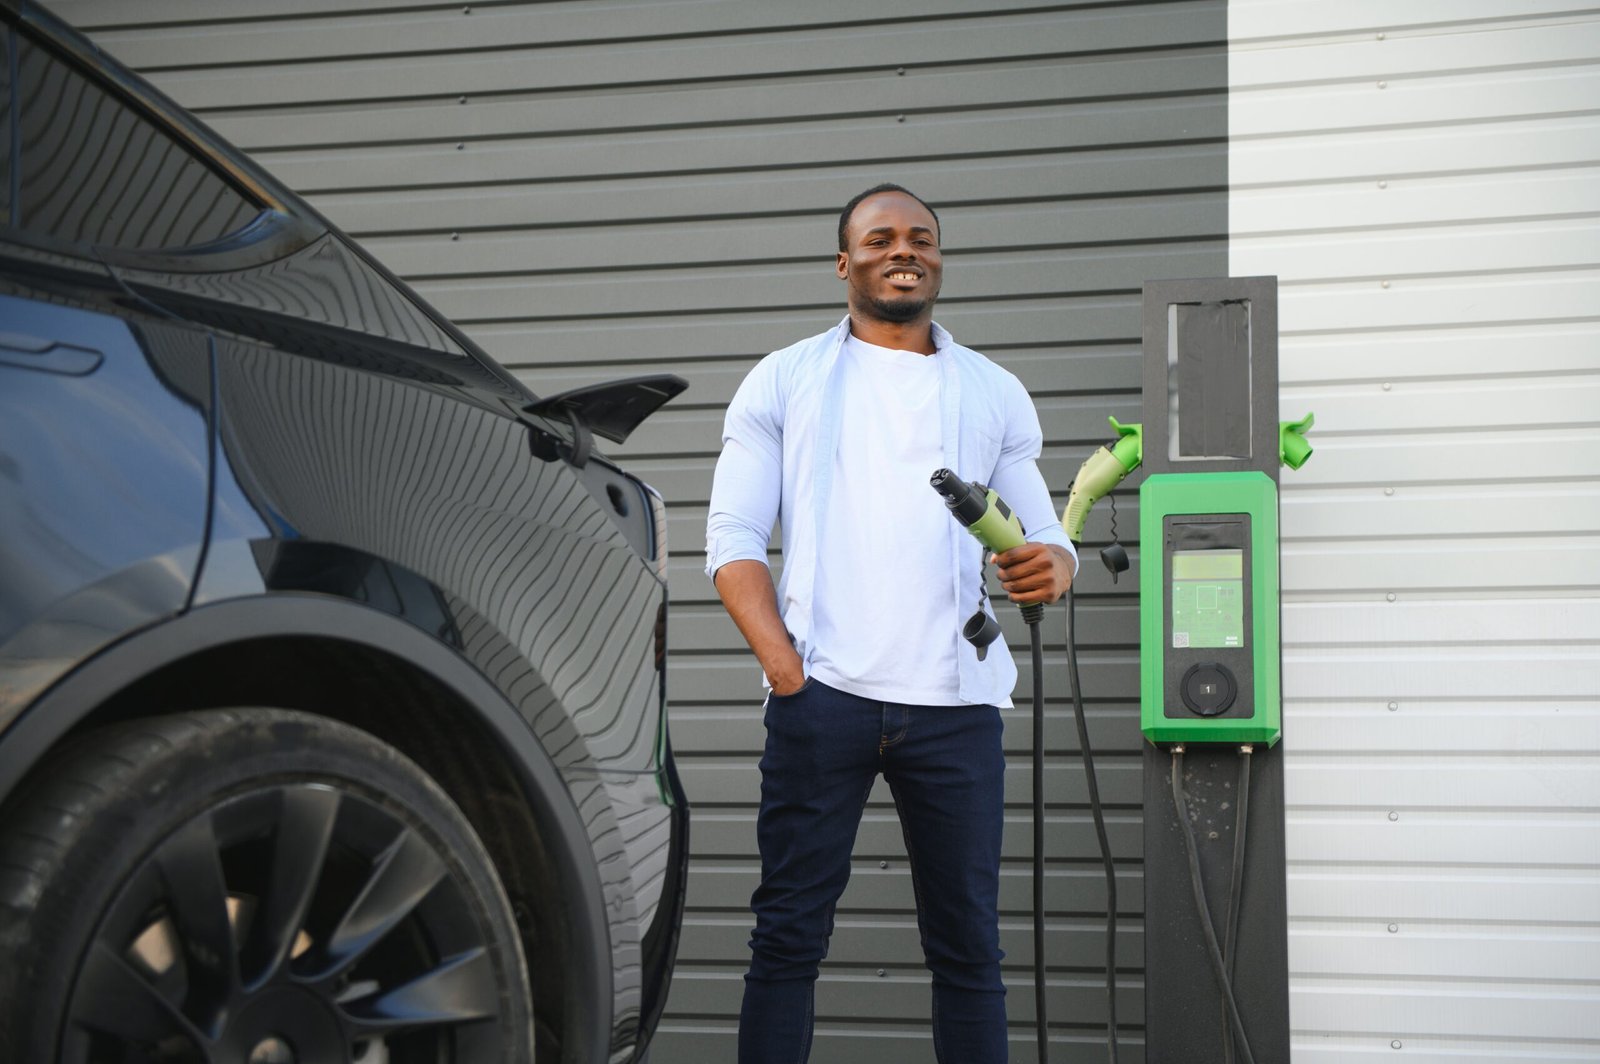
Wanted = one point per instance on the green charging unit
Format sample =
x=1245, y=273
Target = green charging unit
x=1208, y=613
x=1212, y=445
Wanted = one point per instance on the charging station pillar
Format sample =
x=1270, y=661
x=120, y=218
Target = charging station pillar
x=1211, y=449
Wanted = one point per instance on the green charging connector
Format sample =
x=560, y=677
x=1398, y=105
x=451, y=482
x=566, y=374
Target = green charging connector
x=980, y=510
x=1293, y=447
x=1102, y=471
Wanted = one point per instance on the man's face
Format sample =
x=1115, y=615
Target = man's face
x=891, y=262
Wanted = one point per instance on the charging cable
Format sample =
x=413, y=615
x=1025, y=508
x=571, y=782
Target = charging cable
x=1040, y=1023
x=982, y=512
x=1219, y=967
x=1099, y=825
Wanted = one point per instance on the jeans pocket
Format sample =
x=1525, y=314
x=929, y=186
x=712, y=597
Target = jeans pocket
x=774, y=698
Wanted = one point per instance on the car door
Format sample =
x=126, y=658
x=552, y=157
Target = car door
x=104, y=460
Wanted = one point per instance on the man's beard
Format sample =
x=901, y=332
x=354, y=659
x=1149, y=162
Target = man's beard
x=897, y=310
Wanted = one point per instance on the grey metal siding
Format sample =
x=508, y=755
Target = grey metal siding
x=1424, y=178
x=594, y=190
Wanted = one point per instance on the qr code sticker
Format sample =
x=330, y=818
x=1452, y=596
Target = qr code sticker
x=1180, y=639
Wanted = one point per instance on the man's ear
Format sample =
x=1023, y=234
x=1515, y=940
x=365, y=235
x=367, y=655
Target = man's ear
x=841, y=266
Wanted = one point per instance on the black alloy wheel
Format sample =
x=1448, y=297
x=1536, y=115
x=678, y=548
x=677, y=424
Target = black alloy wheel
x=251, y=887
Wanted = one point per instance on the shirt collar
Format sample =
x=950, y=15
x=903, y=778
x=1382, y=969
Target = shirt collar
x=941, y=336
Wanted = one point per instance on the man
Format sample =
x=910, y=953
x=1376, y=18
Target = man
x=837, y=436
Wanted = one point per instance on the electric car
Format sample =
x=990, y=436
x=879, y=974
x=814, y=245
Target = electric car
x=332, y=659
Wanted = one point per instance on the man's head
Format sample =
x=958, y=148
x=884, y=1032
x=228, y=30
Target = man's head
x=889, y=255
x=855, y=201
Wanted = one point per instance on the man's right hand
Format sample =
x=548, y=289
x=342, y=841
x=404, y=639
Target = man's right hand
x=751, y=600
x=789, y=679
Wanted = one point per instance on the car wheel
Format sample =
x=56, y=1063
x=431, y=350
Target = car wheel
x=250, y=886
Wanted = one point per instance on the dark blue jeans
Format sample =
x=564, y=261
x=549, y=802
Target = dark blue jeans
x=946, y=770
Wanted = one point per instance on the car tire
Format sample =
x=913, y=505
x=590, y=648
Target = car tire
x=250, y=885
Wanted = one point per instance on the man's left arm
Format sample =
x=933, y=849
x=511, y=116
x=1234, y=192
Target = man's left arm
x=1040, y=570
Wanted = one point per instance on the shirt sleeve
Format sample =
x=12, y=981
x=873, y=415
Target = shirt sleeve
x=1016, y=474
x=747, y=488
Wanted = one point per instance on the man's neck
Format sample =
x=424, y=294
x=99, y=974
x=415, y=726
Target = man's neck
x=898, y=336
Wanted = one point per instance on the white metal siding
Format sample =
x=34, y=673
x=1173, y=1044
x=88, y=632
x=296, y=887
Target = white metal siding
x=1424, y=179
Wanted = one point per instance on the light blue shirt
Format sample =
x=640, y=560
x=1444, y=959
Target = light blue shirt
x=779, y=442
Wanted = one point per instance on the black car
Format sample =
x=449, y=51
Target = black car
x=332, y=659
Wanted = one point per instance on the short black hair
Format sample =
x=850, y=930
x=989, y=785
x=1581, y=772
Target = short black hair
x=850, y=208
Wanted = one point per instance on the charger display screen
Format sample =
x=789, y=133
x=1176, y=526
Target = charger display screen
x=1208, y=598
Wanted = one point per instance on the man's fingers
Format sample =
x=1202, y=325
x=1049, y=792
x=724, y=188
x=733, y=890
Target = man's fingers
x=1025, y=568
x=1032, y=572
x=1017, y=554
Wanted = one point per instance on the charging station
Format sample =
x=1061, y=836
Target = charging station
x=1210, y=657
x=1210, y=700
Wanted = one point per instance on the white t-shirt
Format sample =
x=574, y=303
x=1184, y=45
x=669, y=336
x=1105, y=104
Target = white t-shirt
x=885, y=615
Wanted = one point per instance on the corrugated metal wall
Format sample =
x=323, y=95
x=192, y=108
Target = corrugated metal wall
x=596, y=189
x=1424, y=178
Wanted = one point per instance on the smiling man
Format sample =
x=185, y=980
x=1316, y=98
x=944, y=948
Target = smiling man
x=837, y=437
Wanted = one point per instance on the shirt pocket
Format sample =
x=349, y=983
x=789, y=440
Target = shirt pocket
x=983, y=451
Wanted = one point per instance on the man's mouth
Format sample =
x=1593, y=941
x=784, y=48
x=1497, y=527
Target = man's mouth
x=904, y=275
